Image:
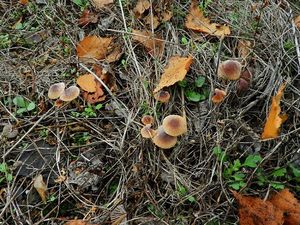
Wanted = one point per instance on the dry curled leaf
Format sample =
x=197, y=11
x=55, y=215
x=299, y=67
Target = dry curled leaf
x=254, y=211
x=23, y=2
x=141, y=7
x=99, y=4
x=41, y=187
x=87, y=17
x=78, y=222
x=152, y=44
x=175, y=71
x=93, y=47
x=196, y=21
x=286, y=202
x=244, y=48
x=87, y=82
x=297, y=21
x=275, y=119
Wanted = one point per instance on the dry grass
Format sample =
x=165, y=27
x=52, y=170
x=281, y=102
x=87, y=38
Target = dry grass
x=113, y=147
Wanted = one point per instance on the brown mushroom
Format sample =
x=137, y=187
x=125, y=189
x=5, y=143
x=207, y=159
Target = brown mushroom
x=163, y=140
x=175, y=125
x=230, y=70
x=219, y=96
x=56, y=90
x=162, y=96
x=146, y=119
x=70, y=94
x=147, y=131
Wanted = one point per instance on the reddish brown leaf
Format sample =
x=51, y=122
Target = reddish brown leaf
x=87, y=17
x=23, y=2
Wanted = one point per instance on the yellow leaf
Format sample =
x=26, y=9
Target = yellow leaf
x=196, y=21
x=41, y=187
x=175, y=71
x=274, y=119
x=87, y=82
x=93, y=47
x=150, y=42
x=99, y=4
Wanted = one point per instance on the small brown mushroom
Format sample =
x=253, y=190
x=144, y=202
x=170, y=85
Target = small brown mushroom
x=146, y=119
x=162, y=96
x=175, y=125
x=163, y=140
x=219, y=96
x=70, y=94
x=56, y=90
x=147, y=131
x=230, y=70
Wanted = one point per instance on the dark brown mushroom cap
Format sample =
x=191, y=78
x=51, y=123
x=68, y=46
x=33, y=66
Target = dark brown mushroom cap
x=56, y=90
x=147, y=119
x=70, y=94
x=162, y=96
x=163, y=140
x=147, y=131
x=230, y=70
x=175, y=125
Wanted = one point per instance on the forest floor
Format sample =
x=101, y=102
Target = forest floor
x=95, y=164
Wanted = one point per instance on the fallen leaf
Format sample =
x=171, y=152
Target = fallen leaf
x=141, y=7
x=218, y=96
x=97, y=96
x=115, y=54
x=78, y=222
x=297, y=21
x=93, y=47
x=87, y=17
x=286, y=202
x=41, y=187
x=23, y=2
x=118, y=215
x=151, y=43
x=99, y=4
x=244, y=48
x=196, y=21
x=175, y=71
x=87, y=82
x=155, y=23
x=254, y=211
x=275, y=119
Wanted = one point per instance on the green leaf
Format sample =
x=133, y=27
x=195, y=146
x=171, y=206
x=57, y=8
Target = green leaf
x=184, y=41
x=19, y=101
x=182, y=190
x=239, y=176
x=99, y=106
x=191, y=199
x=78, y=2
x=237, y=185
x=3, y=167
x=199, y=82
x=194, y=96
x=30, y=106
x=21, y=110
x=182, y=83
x=9, y=177
x=236, y=165
x=277, y=186
x=295, y=171
x=220, y=154
x=280, y=172
x=252, y=161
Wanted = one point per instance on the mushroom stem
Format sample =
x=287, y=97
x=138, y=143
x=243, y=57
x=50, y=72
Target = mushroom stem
x=183, y=104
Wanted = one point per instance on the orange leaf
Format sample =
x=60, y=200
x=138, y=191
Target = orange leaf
x=150, y=43
x=87, y=82
x=285, y=201
x=196, y=21
x=141, y=7
x=87, y=17
x=93, y=47
x=23, y=2
x=274, y=119
x=78, y=222
x=297, y=21
x=253, y=211
x=41, y=187
x=99, y=4
x=175, y=71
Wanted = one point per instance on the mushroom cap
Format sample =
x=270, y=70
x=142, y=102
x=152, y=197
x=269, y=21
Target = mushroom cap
x=70, y=94
x=242, y=85
x=56, y=90
x=162, y=96
x=163, y=140
x=219, y=96
x=147, y=119
x=174, y=125
x=247, y=75
x=147, y=131
x=230, y=70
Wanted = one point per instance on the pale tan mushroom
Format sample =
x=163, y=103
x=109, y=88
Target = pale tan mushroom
x=147, y=131
x=163, y=140
x=175, y=125
x=70, y=94
x=146, y=119
x=230, y=70
x=56, y=90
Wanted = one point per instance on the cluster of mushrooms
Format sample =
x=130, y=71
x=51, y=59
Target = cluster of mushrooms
x=165, y=136
x=232, y=70
x=59, y=90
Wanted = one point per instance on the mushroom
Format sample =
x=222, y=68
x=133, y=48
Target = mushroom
x=230, y=70
x=146, y=119
x=163, y=140
x=70, y=94
x=245, y=81
x=219, y=96
x=147, y=131
x=175, y=125
x=162, y=96
x=56, y=90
